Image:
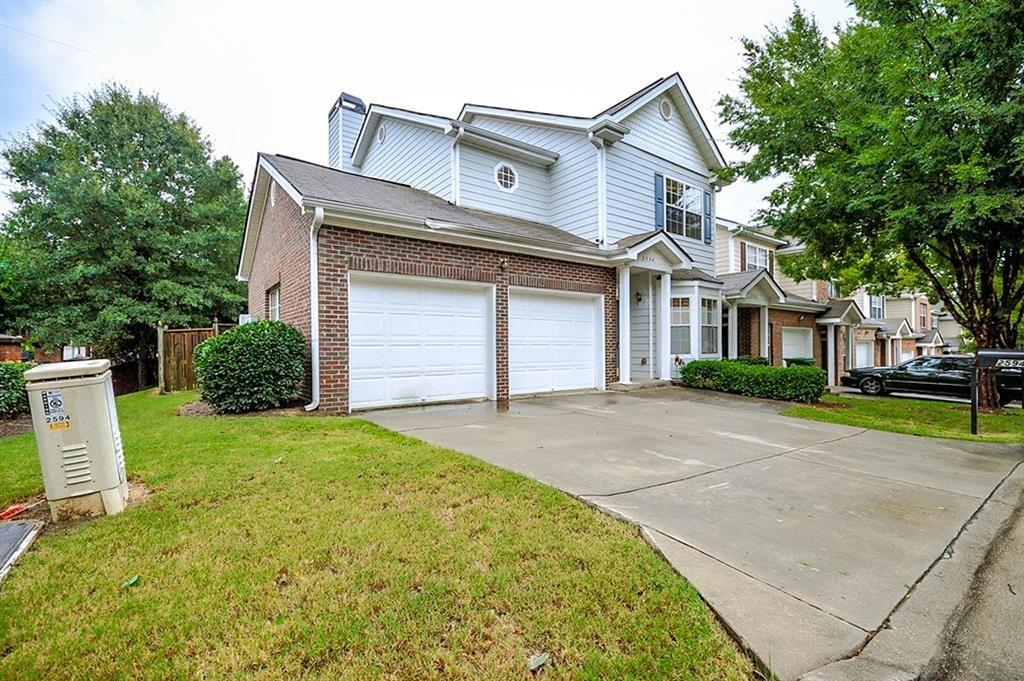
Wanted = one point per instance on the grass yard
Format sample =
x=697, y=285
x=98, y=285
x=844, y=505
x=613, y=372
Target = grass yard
x=915, y=417
x=275, y=547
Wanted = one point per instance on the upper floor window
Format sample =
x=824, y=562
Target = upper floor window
x=506, y=177
x=683, y=206
x=876, y=306
x=680, y=326
x=757, y=257
x=274, y=304
x=833, y=290
x=923, y=308
x=708, y=326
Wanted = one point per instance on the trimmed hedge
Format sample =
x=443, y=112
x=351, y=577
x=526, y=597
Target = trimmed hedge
x=791, y=384
x=13, y=398
x=755, y=360
x=251, y=367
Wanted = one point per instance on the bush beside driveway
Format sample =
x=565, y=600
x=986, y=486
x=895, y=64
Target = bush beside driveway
x=287, y=546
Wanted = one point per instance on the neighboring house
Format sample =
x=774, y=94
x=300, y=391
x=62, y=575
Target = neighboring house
x=952, y=334
x=497, y=253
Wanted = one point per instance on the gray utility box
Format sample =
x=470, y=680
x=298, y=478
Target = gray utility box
x=75, y=422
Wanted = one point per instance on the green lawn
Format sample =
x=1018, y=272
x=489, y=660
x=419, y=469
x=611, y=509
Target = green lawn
x=915, y=417
x=275, y=547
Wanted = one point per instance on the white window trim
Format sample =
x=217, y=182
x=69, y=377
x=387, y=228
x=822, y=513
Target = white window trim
x=751, y=249
x=274, y=310
x=665, y=206
x=687, y=325
x=717, y=326
x=871, y=307
x=515, y=175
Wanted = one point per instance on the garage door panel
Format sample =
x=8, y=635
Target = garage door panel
x=552, y=342
x=414, y=341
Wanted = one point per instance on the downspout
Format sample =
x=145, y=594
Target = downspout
x=314, y=308
x=456, y=163
x=602, y=191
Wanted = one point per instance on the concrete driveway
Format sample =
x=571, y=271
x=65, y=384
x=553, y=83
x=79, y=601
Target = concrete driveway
x=803, y=536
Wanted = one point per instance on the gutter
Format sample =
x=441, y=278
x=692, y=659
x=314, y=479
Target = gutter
x=602, y=190
x=314, y=308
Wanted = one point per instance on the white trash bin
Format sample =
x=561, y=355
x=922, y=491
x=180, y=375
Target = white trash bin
x=78, y=438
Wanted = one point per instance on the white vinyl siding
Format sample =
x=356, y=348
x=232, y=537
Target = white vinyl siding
x=477, y=188
x=722, y=264
x=631, y=209
x=805, y=288
x=572, y=198
x=669, y=139
x=643, y=350
x=414, y=155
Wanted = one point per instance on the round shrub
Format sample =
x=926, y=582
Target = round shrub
x=756, y=360
x=13, y=398
x=251, y=367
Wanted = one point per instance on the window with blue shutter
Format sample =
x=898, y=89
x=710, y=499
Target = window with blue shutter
x=659, y=201
x=707, y=218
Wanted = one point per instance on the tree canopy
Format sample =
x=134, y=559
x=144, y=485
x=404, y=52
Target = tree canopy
x=122, y=219
x=900, y=144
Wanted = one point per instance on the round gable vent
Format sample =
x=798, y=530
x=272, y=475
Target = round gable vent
x=665, y=107
x=382, y=132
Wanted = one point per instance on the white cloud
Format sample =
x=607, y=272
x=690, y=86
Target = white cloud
x=262, y=76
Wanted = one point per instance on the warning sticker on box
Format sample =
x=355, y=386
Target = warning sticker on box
x=56, y=416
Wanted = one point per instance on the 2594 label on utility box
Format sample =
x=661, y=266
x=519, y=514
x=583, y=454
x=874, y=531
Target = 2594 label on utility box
x=54, y=413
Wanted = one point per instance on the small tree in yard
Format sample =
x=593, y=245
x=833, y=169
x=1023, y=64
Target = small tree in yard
x=901, y=148
x=122, y=220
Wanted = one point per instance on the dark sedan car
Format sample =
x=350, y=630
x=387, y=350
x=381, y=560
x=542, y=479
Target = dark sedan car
x=944, y=375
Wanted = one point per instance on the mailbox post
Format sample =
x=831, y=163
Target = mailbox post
x=994, y=359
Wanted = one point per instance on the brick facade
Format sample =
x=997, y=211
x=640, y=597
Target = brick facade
x=778, y=319
x=748, y=339
x=282, y=258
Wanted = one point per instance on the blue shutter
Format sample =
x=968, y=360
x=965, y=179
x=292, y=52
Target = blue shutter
x=659, y=201
x=707, y=218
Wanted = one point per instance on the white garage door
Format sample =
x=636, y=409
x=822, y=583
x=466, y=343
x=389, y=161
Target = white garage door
x=797, y=342
x=865, y=354
x=553, y=341
x=417, y=340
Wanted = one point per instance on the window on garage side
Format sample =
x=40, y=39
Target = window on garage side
x=274, y=303
x=680, y=326
x=708, y=326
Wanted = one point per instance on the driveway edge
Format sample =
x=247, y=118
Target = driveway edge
x=913, y=636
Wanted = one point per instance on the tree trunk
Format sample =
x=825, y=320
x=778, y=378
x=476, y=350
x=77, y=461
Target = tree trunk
x=988, y=393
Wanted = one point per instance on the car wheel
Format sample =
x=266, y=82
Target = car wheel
x=872, y=386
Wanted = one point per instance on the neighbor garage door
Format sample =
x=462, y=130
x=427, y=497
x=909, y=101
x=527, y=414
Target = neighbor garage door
x=865, y=354
x=553, y=341
x=797, y=343
x=418, y=340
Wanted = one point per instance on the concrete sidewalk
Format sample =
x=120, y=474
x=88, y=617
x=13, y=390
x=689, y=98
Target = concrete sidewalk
x=803, y=536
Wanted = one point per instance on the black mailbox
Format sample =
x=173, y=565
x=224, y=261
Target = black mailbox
x=994, y=359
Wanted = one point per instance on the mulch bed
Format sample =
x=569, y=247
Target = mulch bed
x=16, y=425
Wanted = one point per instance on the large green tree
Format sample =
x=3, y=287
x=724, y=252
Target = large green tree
x=900, y=144
x=122, y=219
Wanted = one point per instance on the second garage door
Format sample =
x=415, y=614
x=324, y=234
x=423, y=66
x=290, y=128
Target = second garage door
x=554, y=341
x=418, y=340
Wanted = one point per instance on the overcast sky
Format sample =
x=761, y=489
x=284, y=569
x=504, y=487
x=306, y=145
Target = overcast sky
x=262, y=76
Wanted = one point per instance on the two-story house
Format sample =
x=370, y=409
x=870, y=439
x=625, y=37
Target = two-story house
x=497, y=253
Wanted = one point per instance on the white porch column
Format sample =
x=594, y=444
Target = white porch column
x=734, y=331
x=664, y=327
x=831, y=354
x=764, y=331
x=695, y=323
x=624, y=305
x=848, y=364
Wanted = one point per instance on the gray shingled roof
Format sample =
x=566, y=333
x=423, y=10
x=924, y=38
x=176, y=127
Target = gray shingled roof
x=890, y=327
x=838, y=308
x=696, y=274
x=734, y=282
x=329, y=184
x=929, y=337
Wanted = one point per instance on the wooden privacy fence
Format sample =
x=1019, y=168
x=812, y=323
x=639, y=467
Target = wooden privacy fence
x=174, y=347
